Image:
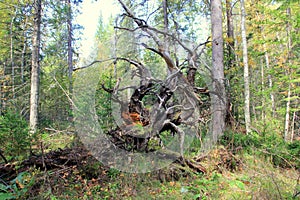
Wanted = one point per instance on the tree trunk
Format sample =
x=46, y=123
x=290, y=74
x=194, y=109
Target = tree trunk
x=230, y=34
x=12, y=56
x=166, y=20
x=267, y=60
x=246, y=68
x=35, y=68
x=70, y=53
x=293, y=127
x=288, y=73
x=270, y=81
x=230, y=61
x=218, y=97
x=270, y=84
x=70, y=50
x=23, y=62
x=287, y=114
x=3, y=92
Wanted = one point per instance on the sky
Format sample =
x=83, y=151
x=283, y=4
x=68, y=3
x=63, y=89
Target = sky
x=91, y=12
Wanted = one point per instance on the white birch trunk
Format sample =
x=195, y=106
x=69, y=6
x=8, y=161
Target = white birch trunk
x=287, y=115
x=246, y=68
x=288, y=103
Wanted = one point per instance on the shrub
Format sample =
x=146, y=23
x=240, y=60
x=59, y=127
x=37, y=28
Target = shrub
x=270, y=145
x=14, y=135
x=235, y=140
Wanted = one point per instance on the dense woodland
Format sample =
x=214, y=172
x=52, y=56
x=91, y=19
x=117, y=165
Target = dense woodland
x=214, y=86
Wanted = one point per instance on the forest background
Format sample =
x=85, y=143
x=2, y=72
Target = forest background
x=245, y=88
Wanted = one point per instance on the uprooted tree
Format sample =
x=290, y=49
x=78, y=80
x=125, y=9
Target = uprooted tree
x=145, y=107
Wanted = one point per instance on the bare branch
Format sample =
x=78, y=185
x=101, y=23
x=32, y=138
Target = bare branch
x=106, y=89
x=92, y=63
x=146, y=28
x=127, y=29
x=66, y=93
x=152, y=49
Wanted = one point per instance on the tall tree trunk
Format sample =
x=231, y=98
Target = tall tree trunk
x=288, y=73
x=267, y=63
x=70, y=49
x=246, y=68
x=287, y=113
x=230, y=34
x=3, y=92
x=263, y=101
x=293, y=127
x=218, y=97
x=230, y=61
x=267, y=60
x=12, y=56
x=24, y=51
x=35, y=68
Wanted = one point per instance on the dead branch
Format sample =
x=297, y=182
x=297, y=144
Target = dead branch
x=106, y=89
x=152, y=49
x=146, y=28
x=58, y=131
x=65, y=92
x=92, y=63
x=128, y=29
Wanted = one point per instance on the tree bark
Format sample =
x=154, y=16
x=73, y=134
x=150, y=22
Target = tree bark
x=70, y=49
x=218, y=98
x=288, y=73
x=23, y=62
x=263, y=101
x=246, y=68
x=230, y=34
x=166, y=21
x=35, y=68
x=12, y=62
x=230, y=61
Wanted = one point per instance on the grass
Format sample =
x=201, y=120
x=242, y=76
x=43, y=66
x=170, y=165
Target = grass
x=257, y=180
x=57, y=140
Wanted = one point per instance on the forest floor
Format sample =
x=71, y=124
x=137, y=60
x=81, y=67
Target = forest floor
x=65, y=172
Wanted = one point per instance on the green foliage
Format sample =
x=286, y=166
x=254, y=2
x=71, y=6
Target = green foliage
x=104, y=101
x=17, y=188
x=272, y=146
x=14, y=134
x=235, y=140
x=113, y=173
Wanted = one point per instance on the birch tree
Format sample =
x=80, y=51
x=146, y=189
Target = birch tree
x=288, y=101
x=246, y=68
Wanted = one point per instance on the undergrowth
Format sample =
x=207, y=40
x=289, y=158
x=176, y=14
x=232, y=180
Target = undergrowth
x=241, y=167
